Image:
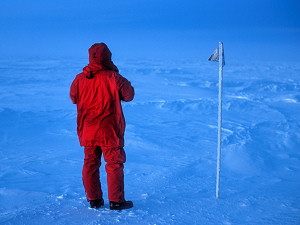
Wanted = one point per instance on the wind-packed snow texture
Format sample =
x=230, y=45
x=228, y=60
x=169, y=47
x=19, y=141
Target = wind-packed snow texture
x=171, y=146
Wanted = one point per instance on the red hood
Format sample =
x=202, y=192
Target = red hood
x=100, y=58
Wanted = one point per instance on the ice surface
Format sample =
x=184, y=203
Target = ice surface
x=170, y=142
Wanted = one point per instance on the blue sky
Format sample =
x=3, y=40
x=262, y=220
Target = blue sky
x=250, y=29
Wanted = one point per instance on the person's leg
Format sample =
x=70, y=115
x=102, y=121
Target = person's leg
x=115, y=157
x=90, y=173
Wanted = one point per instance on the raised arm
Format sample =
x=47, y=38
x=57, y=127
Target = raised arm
x=125, y=89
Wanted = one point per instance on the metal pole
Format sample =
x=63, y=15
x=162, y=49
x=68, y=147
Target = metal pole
x=219, y=118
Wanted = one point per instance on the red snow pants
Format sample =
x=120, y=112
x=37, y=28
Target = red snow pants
x=114, y=158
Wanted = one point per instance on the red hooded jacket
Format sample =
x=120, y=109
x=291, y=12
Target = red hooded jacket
x=98, y=92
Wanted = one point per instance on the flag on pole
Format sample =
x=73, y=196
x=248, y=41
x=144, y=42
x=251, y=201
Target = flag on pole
x=218, y=56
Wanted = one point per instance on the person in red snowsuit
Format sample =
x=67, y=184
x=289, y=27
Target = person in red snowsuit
x=98, y=92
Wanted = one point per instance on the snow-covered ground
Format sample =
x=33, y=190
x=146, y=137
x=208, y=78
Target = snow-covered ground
x=170, y=142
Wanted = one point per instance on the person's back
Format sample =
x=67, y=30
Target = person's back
x=98, y=92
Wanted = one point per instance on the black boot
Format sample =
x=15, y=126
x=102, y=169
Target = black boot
x=120, y=205
x=96, y=203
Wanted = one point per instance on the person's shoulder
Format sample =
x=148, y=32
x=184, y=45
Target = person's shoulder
x=80, y=76
x=77, y=79
x=110, y=74
x=115, y=74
